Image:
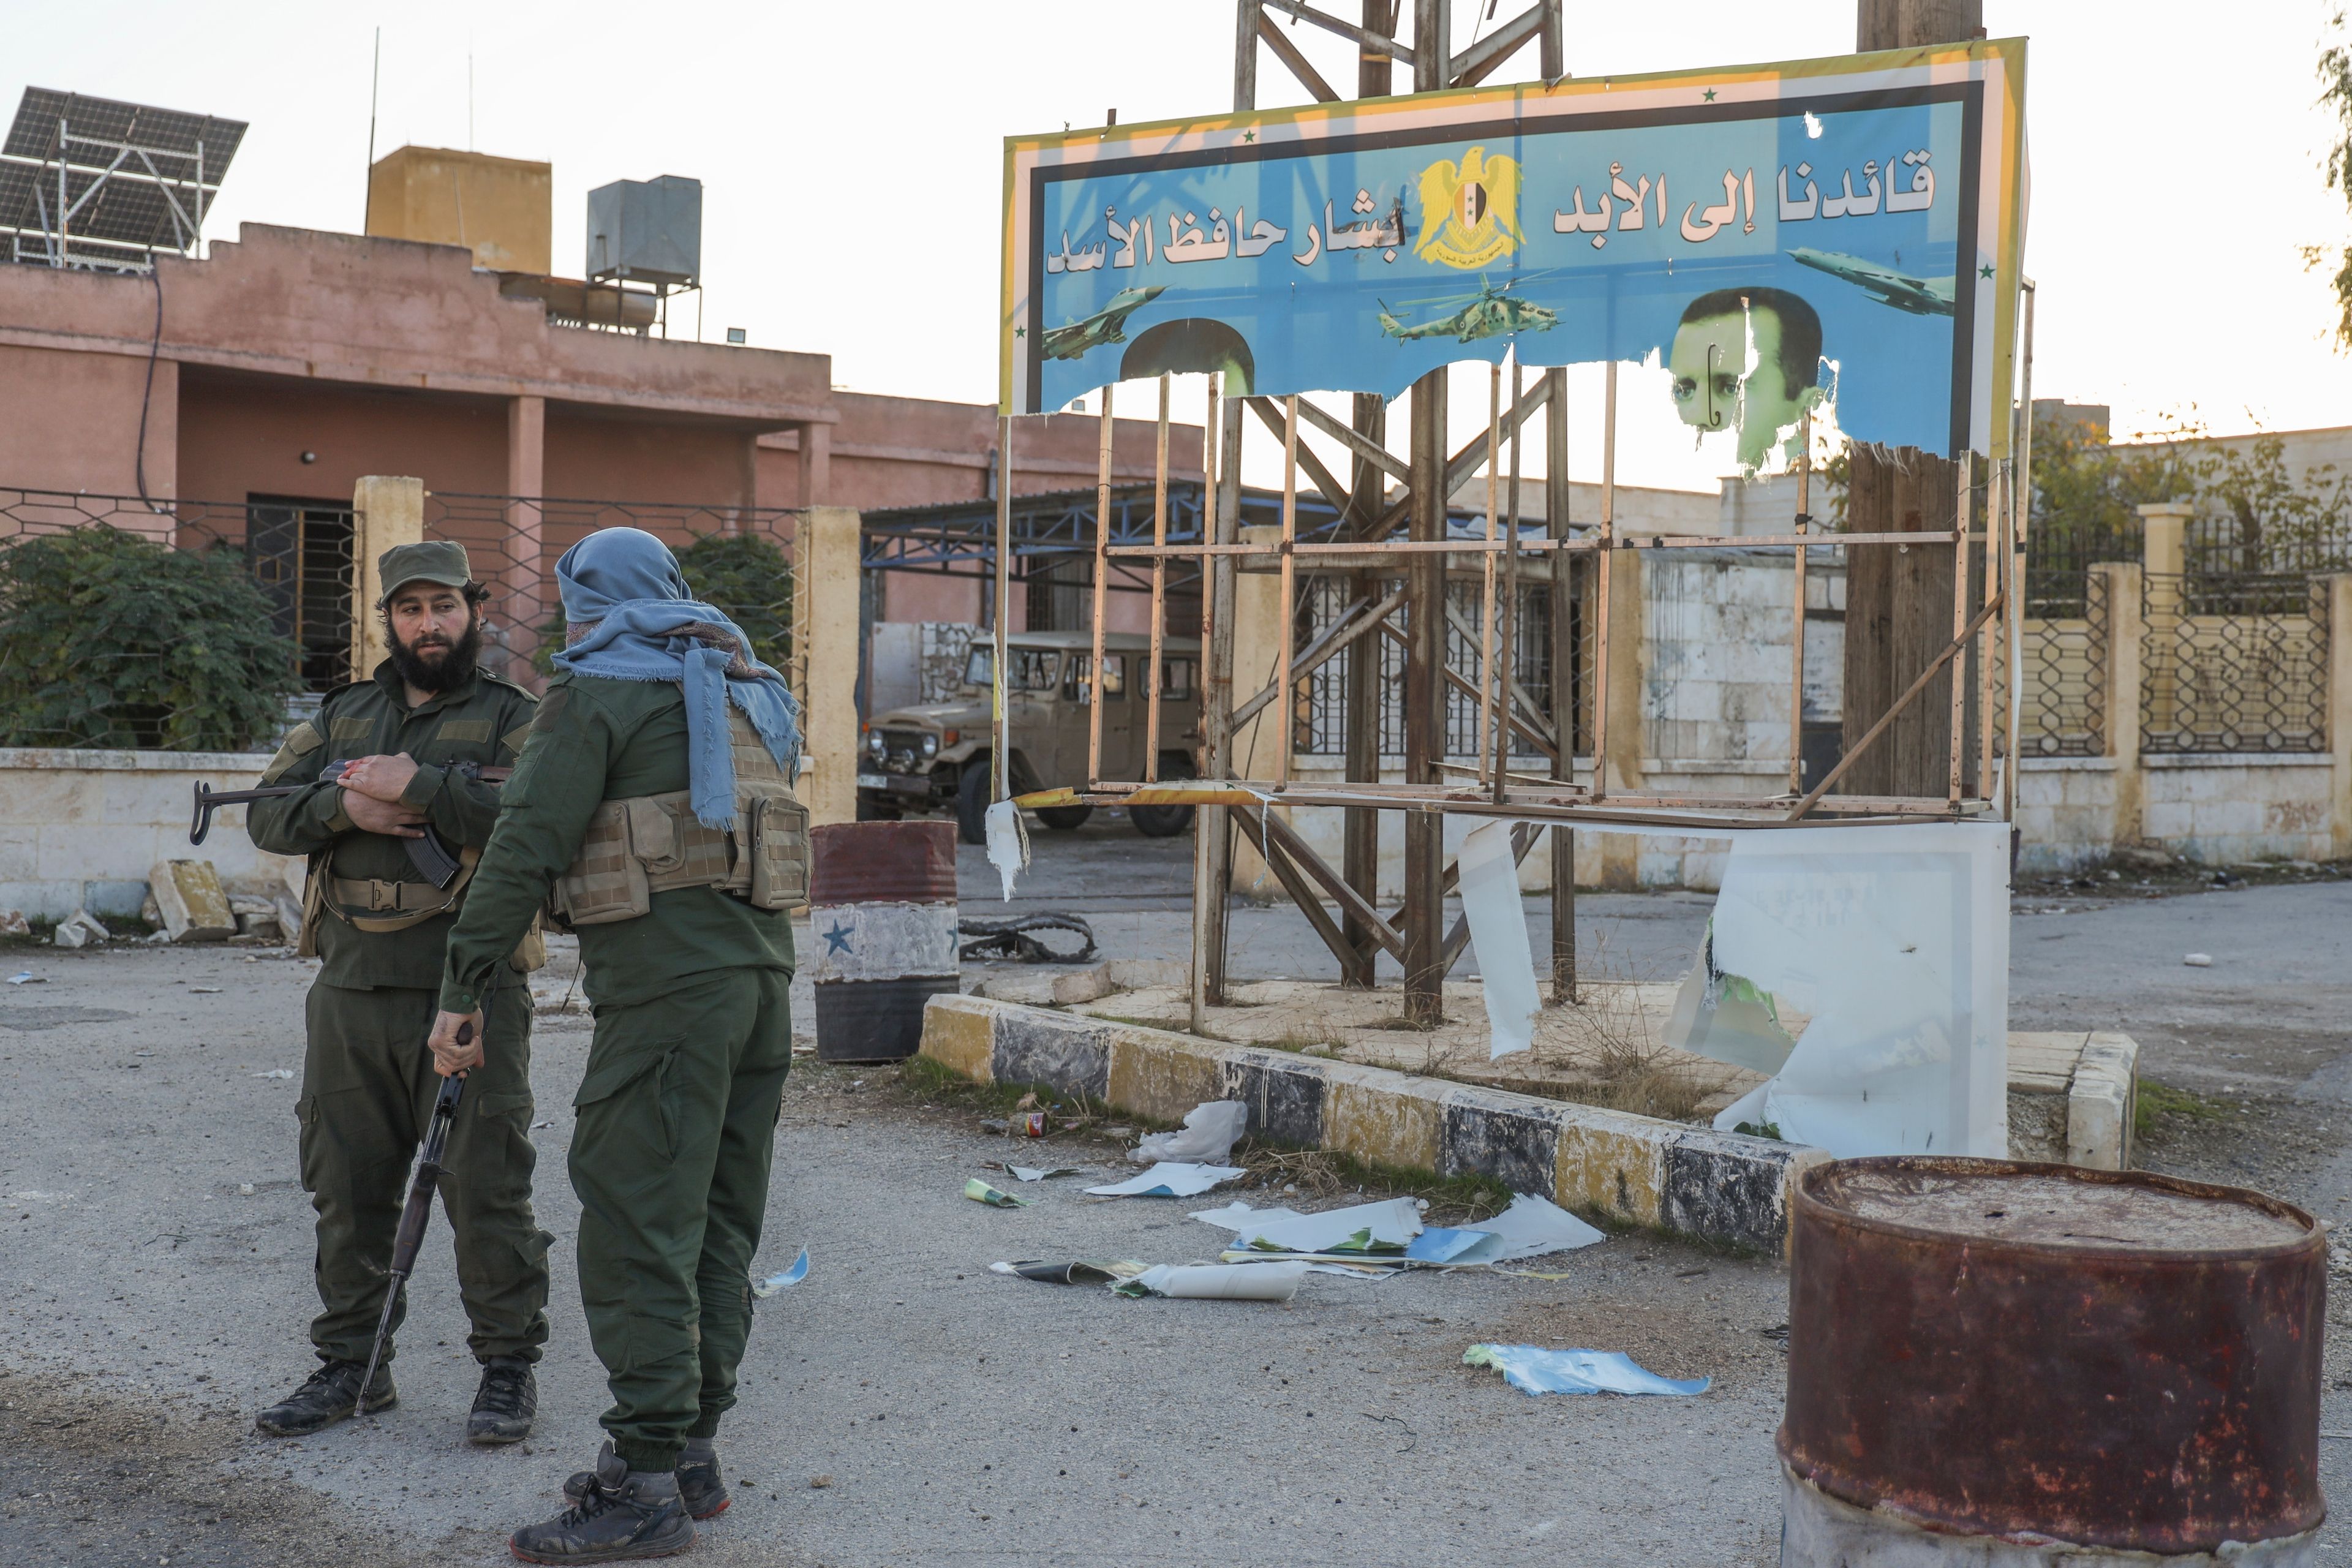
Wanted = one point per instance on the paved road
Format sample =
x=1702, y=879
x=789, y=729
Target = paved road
x=149, y=1302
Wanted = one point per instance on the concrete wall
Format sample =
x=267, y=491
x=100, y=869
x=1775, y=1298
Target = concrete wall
x=82, y=829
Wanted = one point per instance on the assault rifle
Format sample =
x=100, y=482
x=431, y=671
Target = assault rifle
x=430, y=857
x=413, y=1218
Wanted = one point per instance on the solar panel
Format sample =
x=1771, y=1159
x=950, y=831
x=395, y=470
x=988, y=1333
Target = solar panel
x=126, y=167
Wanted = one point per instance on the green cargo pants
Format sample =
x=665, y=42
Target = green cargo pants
x=670, y=1155
x=368, y=1087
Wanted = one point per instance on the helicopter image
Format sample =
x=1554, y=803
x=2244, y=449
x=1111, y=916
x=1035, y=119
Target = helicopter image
x=1108, y=325
x=1490, y=312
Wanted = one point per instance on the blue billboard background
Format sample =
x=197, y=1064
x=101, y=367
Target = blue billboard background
x=1312, y=270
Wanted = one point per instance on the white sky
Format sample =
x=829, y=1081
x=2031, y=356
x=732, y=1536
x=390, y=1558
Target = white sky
x=851, y=159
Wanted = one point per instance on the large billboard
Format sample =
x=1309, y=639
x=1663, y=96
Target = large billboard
x=1844, y=231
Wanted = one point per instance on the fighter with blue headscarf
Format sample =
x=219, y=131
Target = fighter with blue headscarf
x=652, y=812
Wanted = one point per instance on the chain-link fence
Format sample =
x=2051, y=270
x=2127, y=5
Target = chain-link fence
x=95, y=627
x=2224, y=668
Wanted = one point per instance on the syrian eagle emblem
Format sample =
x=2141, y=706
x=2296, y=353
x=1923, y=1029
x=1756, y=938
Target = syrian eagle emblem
x=1480, y=200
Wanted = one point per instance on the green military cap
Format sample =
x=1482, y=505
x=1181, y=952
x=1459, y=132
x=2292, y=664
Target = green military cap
x=428, y=561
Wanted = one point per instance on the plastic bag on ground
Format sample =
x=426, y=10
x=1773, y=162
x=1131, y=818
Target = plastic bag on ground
x=1531, y=1369
x=1206, y=1138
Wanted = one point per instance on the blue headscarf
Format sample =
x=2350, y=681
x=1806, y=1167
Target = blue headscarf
x=634, y=619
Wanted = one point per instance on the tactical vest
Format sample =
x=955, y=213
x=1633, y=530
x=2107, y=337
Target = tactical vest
x=650, y=844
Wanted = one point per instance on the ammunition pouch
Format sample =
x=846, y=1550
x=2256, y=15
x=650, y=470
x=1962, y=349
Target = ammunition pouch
x=650, y=844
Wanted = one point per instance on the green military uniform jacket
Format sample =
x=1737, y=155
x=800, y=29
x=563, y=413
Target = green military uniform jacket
x=597, y=740
x=483, y=722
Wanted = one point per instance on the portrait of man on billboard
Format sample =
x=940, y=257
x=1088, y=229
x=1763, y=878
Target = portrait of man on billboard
x=1716, y=387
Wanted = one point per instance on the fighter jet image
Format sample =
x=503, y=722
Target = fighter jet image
x=1108, y=325
x=1490, y=312
x=1920, y=296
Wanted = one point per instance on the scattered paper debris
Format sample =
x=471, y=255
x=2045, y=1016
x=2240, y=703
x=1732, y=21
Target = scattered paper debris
x=245, y=1189
x=1083, y=1272
x=1169, y=1179
x=1217, y=1282
x=276, y=1072
x=1533, y=1226
x=1032, y=1174
x=1531, y=1369
x=1390, y=1224
x=27, y=978
x=775, y=1284
x=204, y=990
x=2197, y=960
x=537, y=1125
x=980, y=1192
x=1498, y=934
x=1207, y=1136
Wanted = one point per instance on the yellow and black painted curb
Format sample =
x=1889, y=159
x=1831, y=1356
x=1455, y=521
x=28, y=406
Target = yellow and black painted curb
x=1723, y=1188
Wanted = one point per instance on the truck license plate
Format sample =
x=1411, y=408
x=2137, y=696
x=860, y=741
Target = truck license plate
x=873, y=781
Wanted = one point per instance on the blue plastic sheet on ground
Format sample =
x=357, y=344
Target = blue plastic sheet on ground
x=775, y=1284
x=1531, y=1369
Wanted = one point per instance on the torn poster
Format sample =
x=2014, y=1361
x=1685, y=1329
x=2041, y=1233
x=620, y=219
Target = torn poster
x=1531, y=1369
x=1533, y=1226
x=1168, y=1180
x=1498, y=934
x=1390, y=1224
x=1893, y=942
x=1008, y=843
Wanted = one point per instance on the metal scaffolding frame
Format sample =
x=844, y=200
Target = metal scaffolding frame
x=1363, y=538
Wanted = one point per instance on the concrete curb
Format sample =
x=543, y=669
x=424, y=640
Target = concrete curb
x=1719, y=1187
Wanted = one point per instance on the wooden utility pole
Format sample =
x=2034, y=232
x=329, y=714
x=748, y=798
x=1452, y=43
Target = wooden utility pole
x=1900, y=597
x=1425, y=673
x=1564, y=693
x=1365, y=695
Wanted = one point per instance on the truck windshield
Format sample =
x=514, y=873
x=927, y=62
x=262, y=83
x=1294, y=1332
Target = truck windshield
x=1034, y=669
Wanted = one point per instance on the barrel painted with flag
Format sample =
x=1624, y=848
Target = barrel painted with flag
x=882, y=934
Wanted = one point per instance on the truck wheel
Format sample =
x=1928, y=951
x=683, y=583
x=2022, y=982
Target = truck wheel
x=971, y=802
x=1065, y=818
x=1164, y=821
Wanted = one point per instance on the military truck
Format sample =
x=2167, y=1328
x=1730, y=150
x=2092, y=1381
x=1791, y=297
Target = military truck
x=936, y=756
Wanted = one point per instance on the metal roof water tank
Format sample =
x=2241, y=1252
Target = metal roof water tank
x=647, y=231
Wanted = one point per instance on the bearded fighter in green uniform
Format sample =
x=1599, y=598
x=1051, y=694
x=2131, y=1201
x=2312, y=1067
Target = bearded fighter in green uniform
x=400, y=741
x=654, y=799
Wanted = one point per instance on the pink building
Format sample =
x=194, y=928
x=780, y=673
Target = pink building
x=262, y=381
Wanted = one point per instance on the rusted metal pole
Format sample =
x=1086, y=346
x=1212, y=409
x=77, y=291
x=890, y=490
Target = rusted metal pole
x=1209, y=821
x=1963, y=494
x=999, y=767
x=1989, y=640
x=1159, y=591
x=1600, y=584
x=1218, y=707
x=1486, y=670
x=1286, y=698
x=1509, y=631
x=1565, y=686
x=1796, y=624
x=1424, y=709
x=1366, y=695
x=1102, y=599
x=2019, y=523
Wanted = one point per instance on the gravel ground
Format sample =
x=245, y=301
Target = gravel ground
x=155, y=1289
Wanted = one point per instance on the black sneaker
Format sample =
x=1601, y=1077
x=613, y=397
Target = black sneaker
x=699, y=1487
x=504, y=1404
x=329, y=1395
x=624, y=1514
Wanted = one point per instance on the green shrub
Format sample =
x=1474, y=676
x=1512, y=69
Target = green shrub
x=743, y=575
x=109, y=640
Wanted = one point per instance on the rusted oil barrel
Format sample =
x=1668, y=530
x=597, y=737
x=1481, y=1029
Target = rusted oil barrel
x=882, y=934
x=1988, y=1358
